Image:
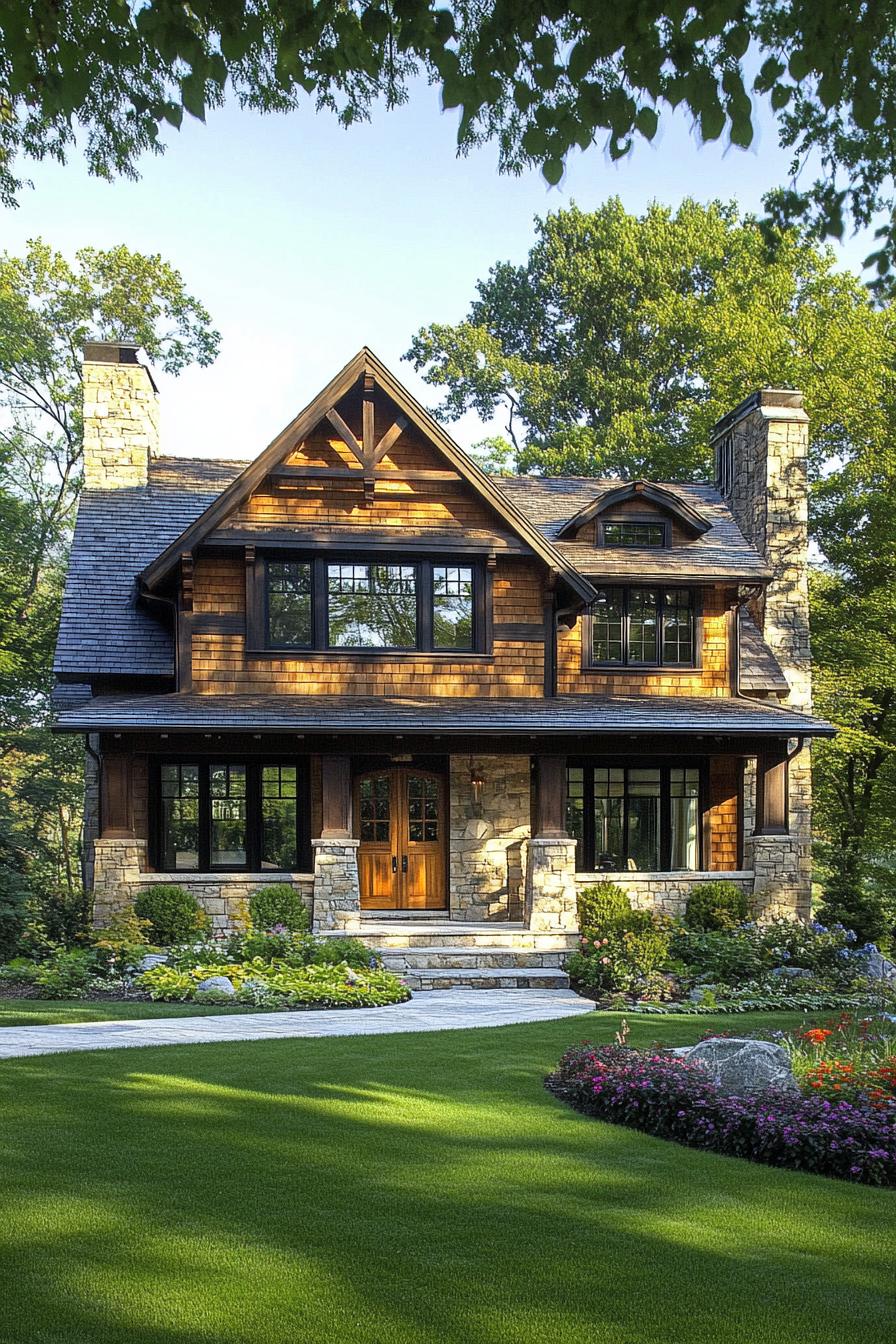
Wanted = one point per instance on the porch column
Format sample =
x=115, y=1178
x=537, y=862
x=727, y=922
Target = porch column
x=781, y=863
x=118, y=856
x=116, y=812
x=551, y=861
x=337, y=895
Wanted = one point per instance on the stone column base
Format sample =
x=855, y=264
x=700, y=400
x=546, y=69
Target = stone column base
x=551, y=885
x=782, y=875
x=337, y=895
x=117, y=865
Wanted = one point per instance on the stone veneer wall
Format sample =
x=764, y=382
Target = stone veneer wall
x=487, y=841
x=666, y=893
x=121, y=425
x=769, y=500
x=119, y=880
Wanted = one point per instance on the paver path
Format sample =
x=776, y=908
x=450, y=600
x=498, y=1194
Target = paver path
x=436, y=1010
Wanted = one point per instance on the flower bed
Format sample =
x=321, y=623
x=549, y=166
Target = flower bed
x=277, y=985
x=670, y=1098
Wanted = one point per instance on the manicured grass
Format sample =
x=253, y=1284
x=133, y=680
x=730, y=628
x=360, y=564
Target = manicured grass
x=404, y=1190
x=50, y=1012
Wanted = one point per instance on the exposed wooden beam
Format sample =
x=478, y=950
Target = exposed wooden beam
x=389, y=439
x=355, y=473
x=345, y=433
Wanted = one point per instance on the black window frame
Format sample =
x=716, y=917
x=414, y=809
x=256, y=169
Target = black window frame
x=591, y=663
x=635, y=521
x=254, y=826
x=258, y=598
x=585, y=847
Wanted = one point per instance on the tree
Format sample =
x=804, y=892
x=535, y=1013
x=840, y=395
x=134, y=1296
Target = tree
x=616, y=346
x=539, y=79
x=622, y=339
x=48, y=308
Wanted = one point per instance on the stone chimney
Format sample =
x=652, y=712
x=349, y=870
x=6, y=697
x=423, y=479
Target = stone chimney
x=121, y=416
x=761, y=453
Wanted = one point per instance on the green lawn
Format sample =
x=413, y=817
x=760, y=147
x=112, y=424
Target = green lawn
x=50, y=1012
x=414, y=1189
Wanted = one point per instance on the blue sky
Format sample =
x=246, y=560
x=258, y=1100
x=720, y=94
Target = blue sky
x=307, y=241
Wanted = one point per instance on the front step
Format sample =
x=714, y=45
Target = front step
x=499, y=977
x=388, y=935
x=479, y=957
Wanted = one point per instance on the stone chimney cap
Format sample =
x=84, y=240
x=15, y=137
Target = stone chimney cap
x=774, y=403
x=115, y=352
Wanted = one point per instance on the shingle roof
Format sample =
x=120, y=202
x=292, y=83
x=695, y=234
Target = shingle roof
x=117, y=532
x=721, y=553
x=569, y=714
x=759, y=668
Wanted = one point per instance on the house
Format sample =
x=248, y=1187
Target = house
x=435, y=701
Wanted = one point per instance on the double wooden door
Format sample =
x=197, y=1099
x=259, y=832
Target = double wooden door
x=400, y=822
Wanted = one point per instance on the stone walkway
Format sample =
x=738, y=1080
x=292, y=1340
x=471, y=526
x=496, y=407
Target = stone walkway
x=437, y=1010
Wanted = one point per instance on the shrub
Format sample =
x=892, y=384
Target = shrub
x=64, y=975
x=173, y=914
x=334, y=951
x=624, y=955
x=278, y=905
x=604, y=903
x=853, y=904
x=125, y=938
x=673, y=1099
x=720, y=958
x=716, y=905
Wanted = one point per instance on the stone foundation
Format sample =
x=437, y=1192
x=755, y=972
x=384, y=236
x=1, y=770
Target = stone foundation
x=337, y=896
x=667, y=893
x=117, y=870
x=551, y=885
x=486, y=856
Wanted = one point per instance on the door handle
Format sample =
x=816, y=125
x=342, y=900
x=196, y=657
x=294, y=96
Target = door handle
x=394, y=864
x=404, y=863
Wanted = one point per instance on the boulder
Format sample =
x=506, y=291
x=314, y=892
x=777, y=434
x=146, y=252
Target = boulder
x=741, y=1067
x=793, y=972
x=221, y=984
x=150, y=960
x=876, y=965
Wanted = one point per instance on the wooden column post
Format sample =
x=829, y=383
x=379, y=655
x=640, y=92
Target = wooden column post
x=115, y=797
x=771, y=791
x=336, y=797
x=550, y=797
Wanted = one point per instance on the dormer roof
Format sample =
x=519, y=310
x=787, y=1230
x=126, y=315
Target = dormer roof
x=659, y=496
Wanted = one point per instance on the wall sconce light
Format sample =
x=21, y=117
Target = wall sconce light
x=476, y=783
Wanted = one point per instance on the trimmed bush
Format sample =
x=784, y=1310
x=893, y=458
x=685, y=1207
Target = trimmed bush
x=278, y=905
x=173, y=913
x=714, y=906
x=602, y=904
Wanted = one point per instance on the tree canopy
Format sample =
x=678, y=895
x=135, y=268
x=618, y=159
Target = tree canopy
x=48, y=308
x=613, y=349
x=540, y=79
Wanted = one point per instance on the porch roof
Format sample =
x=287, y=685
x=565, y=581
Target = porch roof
x=324, y=714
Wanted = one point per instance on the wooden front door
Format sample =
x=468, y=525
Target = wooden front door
x=400, y=821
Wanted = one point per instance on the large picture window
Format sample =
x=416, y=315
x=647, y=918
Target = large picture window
x=251, y=815
x=643, y=627
x=421, y=605
x=634, y=818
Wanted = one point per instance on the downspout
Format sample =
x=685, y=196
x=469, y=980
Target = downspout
x=99, y=801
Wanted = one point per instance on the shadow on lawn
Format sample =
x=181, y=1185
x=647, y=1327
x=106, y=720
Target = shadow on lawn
x=403, y=1189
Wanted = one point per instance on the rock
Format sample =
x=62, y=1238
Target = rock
x=350, y=977
x=221, y=984
x=741, y=1066
x=877, y=966
x=793, y=972
x=150, y=960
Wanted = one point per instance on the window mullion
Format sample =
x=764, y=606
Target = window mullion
x=319, y=604
x=205, y=819
x=660, y=626
x=665, y=820
x=424, y=605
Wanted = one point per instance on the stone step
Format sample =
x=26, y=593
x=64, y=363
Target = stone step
x=384, y=937
x=495, y=977
x=480, y=956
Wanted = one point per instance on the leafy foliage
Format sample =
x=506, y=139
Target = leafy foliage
x=716, y=905
x=280, y=985
x=278, y=904
x=172, y=913
x=601, y=904
x=539, y=80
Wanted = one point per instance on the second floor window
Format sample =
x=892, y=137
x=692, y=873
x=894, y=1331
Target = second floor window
x=633, y=533
x=643, y=627
x=419, y=605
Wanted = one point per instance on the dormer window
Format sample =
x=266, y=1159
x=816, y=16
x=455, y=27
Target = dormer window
x=633, y=533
